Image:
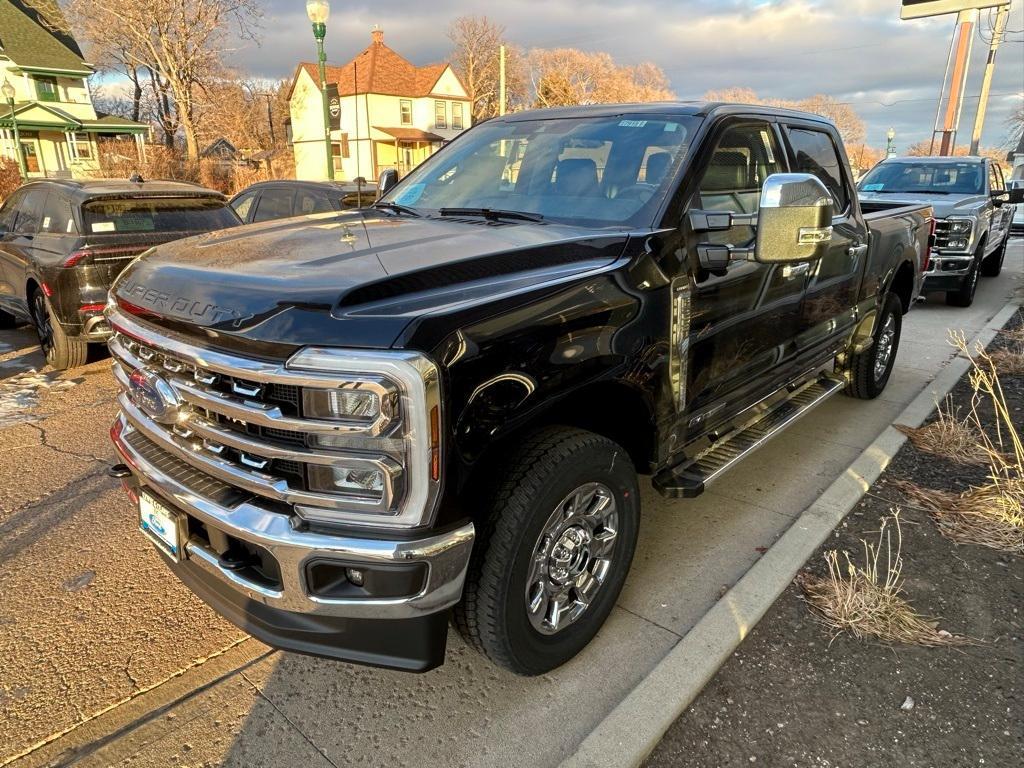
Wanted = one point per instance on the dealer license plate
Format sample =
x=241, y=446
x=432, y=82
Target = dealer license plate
x=162, y=525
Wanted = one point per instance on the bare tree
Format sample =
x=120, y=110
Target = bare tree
x=178, y=43
x=564, y=76
x=850, y=126
x=475, y=57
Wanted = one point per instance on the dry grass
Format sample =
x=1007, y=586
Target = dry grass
x=1009, y=361
x=992, y=514
x=986, y=516
x=949, y=436
x=868, y=601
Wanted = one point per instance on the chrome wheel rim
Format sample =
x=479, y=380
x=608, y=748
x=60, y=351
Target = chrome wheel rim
x=885, y=343
x=571, y=558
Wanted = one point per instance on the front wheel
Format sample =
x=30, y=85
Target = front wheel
x=993, y=265
x=554, y=551
x=869, y=370
x=964, y=296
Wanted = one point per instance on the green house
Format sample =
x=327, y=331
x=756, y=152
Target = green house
x=57, y=125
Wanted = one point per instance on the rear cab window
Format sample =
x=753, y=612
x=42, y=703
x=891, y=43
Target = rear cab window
x=815, y=152
x=156, y=214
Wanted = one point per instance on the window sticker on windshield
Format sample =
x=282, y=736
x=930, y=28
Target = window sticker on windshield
x=671, y=127
x=632, y=123
x=410, y=195
x=46, y=222
x=872, y=187
x=103, y=226
x=767, y=141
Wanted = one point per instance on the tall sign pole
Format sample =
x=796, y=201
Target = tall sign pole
x=986, y=83
x=963, y=37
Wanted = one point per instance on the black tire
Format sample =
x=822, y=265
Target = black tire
x=538, y=481
x=61, y=351
x=993, y=265
x=964, y=296
x=867, y=377
x=7, y=321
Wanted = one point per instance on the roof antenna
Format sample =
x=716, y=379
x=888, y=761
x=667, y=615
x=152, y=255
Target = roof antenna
x=136, y=178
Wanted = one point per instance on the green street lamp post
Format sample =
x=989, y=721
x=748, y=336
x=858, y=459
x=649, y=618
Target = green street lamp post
x=8, y=91
x=318, y=11
x=890, y=149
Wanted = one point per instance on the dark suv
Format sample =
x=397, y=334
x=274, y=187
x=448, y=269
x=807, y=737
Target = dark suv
x=282, y=199
x=62, y=243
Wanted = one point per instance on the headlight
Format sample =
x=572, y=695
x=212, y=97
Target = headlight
x=344, y=404
x=960, y=226
x=387, y=443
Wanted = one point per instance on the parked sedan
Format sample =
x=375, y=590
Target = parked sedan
x=63, y=242
x=281, y=199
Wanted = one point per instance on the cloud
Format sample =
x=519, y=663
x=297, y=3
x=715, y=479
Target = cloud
x=855, y=50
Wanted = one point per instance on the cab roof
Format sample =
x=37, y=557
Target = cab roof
x=680, y=108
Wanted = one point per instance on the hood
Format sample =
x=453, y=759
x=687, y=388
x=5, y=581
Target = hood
x=354, y=279
x=943, y=205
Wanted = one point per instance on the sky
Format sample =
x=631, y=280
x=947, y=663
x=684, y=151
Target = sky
x=858, y=51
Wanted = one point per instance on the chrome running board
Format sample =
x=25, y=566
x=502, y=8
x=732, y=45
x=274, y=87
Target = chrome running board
x=689, y=478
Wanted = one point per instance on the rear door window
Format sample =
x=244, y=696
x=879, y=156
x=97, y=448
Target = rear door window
x=312, y=202
x=30, y=212
x=156, y=214
x=274, y=203
x=57, y=216
x=814, y=152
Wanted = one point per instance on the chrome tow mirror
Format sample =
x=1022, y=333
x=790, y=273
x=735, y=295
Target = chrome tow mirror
x=794, y=219
x=387, y=179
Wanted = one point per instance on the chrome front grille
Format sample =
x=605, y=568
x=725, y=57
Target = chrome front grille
x=240, y=431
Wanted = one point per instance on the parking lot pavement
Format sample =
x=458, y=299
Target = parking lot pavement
x=81, y=642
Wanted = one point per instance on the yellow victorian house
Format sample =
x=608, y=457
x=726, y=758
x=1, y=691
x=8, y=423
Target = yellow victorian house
x=385, y=112
x=42, y=68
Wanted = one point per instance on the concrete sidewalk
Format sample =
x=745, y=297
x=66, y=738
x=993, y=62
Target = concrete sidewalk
x=284, y=709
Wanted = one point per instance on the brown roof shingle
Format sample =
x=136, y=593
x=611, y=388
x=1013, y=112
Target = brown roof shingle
x=378, y=69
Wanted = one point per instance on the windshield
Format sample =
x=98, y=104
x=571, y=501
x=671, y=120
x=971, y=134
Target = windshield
x=157, y=214
x=592, y=171
x=933, y=178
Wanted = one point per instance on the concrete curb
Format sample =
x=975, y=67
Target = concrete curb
x=633, y=729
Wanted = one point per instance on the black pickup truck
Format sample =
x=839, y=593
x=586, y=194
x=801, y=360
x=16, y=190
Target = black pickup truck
x=345, y=428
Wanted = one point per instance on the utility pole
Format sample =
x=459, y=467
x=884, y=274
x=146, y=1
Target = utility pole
x=986, y=83
x=501, y=80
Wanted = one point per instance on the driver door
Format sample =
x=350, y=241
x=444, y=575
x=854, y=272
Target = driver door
x=735, y=327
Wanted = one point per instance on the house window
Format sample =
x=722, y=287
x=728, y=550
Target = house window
x=440, y=115
x=46, y=88
x=457, y=115
x=406, y=106
x=83, y=147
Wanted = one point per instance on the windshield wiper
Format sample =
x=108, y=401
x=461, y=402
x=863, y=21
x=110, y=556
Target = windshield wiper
x=396, y=207
x=491, y=213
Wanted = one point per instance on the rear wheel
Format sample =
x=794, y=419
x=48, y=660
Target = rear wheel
x=870, y=370
x=993, y=265
x=7, y=320
x=61, y=351
x=554, y=552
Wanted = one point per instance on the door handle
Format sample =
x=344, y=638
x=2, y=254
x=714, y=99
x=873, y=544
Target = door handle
x=794, y=270
x=857, y=250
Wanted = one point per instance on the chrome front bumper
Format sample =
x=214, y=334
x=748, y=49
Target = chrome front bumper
x=445, y=554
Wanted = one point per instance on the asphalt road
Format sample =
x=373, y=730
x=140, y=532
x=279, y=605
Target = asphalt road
x=90, y=619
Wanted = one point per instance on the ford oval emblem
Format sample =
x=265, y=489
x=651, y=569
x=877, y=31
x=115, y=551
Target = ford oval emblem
x=154, y=395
